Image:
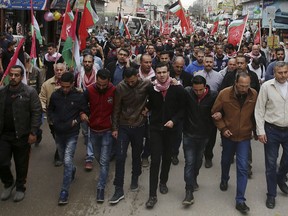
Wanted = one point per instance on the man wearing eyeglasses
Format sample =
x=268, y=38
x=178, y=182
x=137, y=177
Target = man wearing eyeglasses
x=20, y=119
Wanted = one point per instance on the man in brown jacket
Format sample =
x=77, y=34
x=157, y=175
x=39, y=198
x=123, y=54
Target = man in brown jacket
x=236, y=103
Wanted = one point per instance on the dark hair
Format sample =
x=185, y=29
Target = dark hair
x=67, y=77
x=129, y=72
x=198, y=80
x=162, y=64
x=18, y=67
x=165, y=52
x=230, y=46
x=88, y=54
x=159, y=48
x=125, y=50
x=103, y=74
x=279, y=49
x=51, y=45
x=241, y=74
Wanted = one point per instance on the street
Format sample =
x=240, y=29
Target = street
x=44, y=181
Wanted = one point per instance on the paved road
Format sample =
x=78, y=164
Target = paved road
x=44, y=182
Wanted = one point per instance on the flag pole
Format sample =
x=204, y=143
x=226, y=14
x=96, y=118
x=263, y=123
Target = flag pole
x=243, y=31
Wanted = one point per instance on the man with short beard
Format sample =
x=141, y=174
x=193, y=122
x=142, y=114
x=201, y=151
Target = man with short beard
x=232, y=65
x=196, y=65
x=85, y=78
x=280, y=56
x=220, y=60
x=100, y=96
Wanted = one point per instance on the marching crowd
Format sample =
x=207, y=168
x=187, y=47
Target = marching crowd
x=153, y=93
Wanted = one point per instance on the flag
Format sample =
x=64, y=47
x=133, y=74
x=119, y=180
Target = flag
x=121, y=24
x=67, y=22
x=68, y=51
x=36, y=34
x=215, y=26
x=17, y=59
x=177, y=9
x=89, y=19
x=257, y=38
x=127, y=33
x=160, y=25
x=236, y=30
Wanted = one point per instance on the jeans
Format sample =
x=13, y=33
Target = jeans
x=127, y=134
x=66, y=145
x=89, y=147
x=161, y=148
x=209, y=147
x=20, y=150
x=241, y=149
x=102, y=144
x=193, y=154
x=56, y=154
x=275, y=138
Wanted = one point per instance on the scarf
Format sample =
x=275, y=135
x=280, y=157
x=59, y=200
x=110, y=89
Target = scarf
x=83, y=81
x=162, y=87
x=52, y=58
x=146, y=76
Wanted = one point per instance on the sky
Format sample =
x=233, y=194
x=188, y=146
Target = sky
x=187, y=3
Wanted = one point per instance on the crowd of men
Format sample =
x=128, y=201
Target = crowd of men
x=149, y=92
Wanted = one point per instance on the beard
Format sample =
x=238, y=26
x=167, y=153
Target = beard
x=102, y=91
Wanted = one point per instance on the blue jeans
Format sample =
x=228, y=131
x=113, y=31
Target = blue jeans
x=89, y=147
x=275, y=138
x=66, y=145
x=102, y=144
x=127, y=134
x=241, y=150
x=193, y=154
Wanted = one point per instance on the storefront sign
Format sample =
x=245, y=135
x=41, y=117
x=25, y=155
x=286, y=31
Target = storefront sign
x=281, y=14
x=25, y=4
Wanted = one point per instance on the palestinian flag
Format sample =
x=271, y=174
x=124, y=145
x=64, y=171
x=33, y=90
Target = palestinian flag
x=236, y=30
x=89, y=19
x=257, y=38
x=177, y=9
x=17, y=59
x=67, y=22
x=215, y=26
x=71, y=45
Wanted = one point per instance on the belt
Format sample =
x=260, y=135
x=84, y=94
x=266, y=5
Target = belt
x=277, y=127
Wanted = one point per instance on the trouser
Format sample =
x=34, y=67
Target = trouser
x=161, y=148
x=211, y=143
x=177, y=139
x=56, y=154
x=127, y=134
x=20, y=150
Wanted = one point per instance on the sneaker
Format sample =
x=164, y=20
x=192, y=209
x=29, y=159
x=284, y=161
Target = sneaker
x=100, y=195
x=134, y=183
x=175, y=160
x=242, y=207
x=73, y=174
x=163, y=188
x=88, y=166
x=19, y=196
x=208, y=163
x=189, y=198
x=63, y=198
x=145, y=162
x=118, y=195
x=151, y=202
x=5, y=195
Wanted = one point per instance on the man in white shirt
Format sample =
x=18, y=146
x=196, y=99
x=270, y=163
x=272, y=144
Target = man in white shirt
x=272, y=129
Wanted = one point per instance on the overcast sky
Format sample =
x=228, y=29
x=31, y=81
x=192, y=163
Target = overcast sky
x=187, y=3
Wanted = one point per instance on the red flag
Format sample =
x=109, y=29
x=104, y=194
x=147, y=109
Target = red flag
x=161, y=25
x=236, y=30
x=33, y=54
x=17, y=57
x=177, y=9
x=87, y=21
x=257, y=38
x=215, y=26
x=67, y=22
x=127, y=31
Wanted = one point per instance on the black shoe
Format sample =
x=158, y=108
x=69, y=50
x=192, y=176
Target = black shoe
x=223, y=186
x=58, y=163
x=195, y=186
x=283, y=186
x=175, y=160
x=134, y=183
x=118, y=195
x=208, y=163
x=250, y=173
x=242, y=207
x=151, y=202
x=189, y=198
x=100, y=195
x=163, y=188
x=270, y=202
